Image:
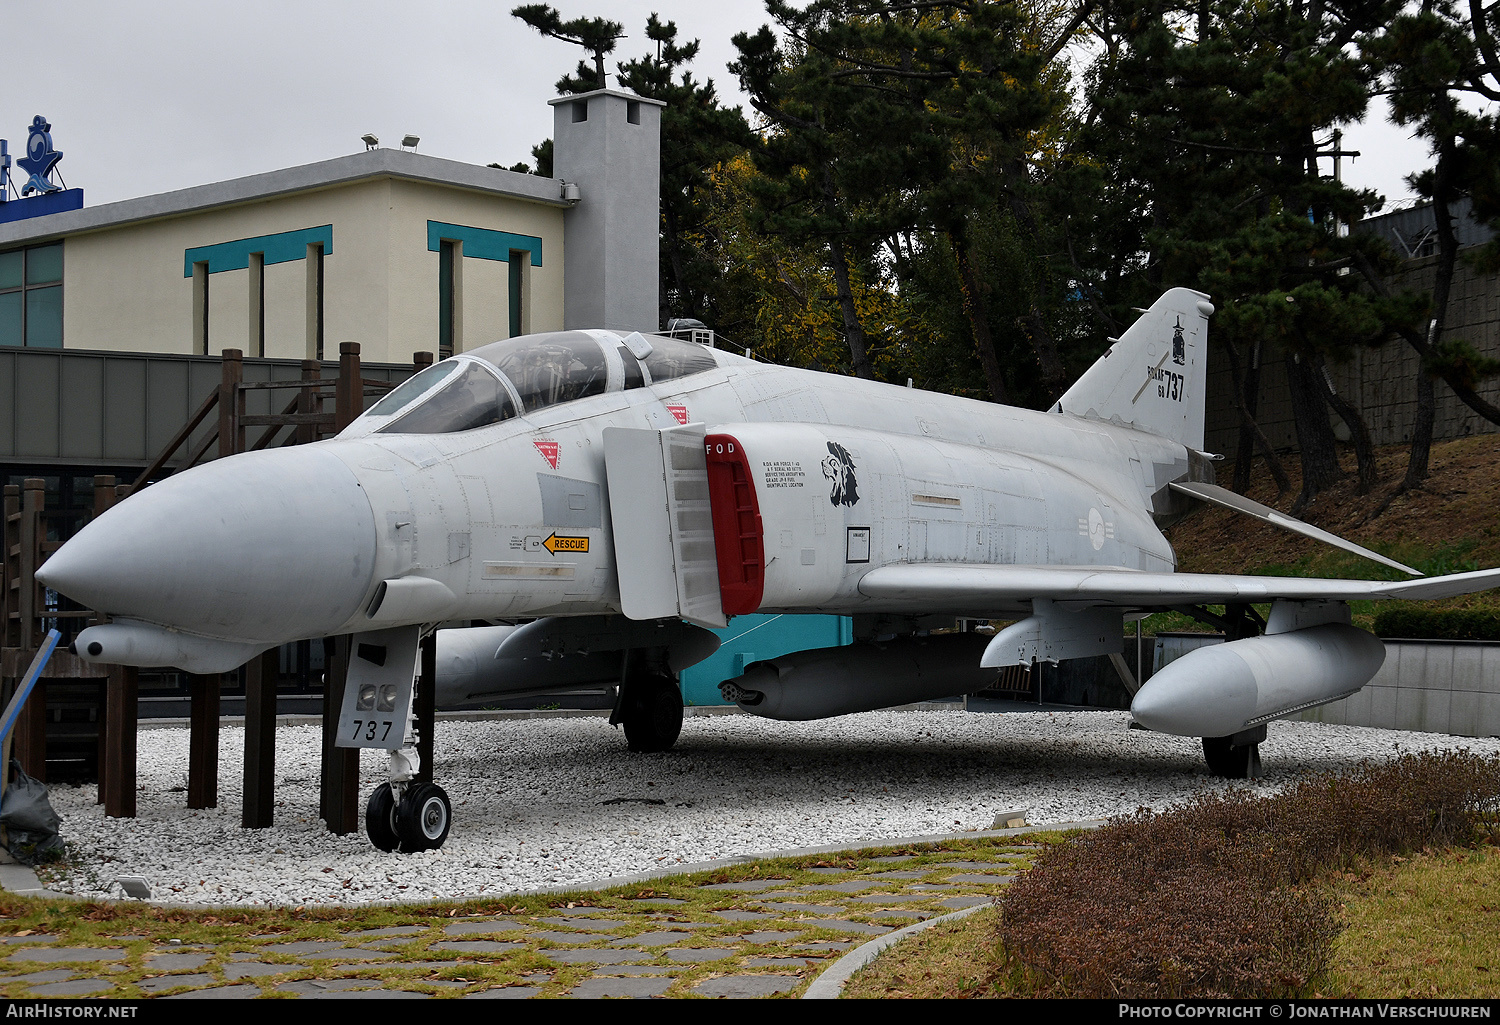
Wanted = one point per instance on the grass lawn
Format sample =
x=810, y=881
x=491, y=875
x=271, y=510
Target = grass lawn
x=1421, y=927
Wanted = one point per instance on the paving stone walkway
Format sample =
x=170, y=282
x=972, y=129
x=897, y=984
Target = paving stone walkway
x=760, y=929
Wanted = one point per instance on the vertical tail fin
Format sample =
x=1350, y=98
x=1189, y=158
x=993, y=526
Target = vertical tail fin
x=1155, y=376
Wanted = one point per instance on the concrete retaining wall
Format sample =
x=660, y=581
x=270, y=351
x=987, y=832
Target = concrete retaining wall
x=1381, y=382
x=1448, y=687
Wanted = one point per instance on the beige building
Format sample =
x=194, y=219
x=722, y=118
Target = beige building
x=399, y=251
x=393, y=249
x=112, y=317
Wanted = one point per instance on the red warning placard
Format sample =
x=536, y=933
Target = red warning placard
x=548, y=449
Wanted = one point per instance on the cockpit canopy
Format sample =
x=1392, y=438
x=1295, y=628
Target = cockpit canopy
x=521, y=375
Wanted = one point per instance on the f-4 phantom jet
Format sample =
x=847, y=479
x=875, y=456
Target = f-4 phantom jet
x=606, y=497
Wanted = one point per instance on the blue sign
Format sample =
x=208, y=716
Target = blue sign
x=40, y=159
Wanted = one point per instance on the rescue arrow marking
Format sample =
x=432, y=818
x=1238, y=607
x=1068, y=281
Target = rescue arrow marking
x=555, y=544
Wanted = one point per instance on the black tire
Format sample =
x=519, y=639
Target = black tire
x=652, y=714
x=1230, y=762
x=423, y=818
x=380, y=819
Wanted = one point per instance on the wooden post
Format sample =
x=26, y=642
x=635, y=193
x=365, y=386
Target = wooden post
x=105, y=488
x=31, y=728
x=30, y=731
x=308, y=401
x=258, y=809
x=424, y=699
x=104, y=493
x=420, y=361
x=33, y=502
x=122, y=701
x=104, y=497
x=350, y=401
x=203, y=741
x=10, y=536
x=339, y=804
x=231, y=403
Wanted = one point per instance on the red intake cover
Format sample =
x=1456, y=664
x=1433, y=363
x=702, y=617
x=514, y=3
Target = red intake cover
x=739, y=541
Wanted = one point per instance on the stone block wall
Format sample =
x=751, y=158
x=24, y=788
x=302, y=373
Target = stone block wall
x=1448, y=687
x=1381, y=381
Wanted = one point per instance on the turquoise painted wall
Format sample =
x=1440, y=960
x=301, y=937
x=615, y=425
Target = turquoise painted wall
x=751, y=638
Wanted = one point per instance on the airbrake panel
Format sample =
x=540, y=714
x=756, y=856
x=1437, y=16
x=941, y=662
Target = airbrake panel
x=662, y=523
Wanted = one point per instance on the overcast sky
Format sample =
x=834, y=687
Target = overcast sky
x=156, y=95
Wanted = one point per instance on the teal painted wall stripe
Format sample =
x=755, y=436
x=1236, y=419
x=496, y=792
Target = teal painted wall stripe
x=279, y=248
x=483, y=243
x=759, y=636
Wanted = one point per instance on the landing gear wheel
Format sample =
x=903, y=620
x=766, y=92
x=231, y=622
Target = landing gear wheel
x=652, y=714
x=423, y=818
x=1232, y=762
x=380, y=819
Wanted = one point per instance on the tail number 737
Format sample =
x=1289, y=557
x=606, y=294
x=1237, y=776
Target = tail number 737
x=1168, y=384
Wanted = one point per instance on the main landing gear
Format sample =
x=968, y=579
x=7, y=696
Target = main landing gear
x=650, y=709
x=418, y=821
x=1237, y=756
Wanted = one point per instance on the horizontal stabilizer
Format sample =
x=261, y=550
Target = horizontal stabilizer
x=1226, y=499
x=960, y=588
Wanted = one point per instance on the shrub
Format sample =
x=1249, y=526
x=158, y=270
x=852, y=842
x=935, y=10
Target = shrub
x=1218, y=897
x=1438, y=624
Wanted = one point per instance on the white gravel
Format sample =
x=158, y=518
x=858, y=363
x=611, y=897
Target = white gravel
x=528, y=795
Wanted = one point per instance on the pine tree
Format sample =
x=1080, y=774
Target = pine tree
x=1222, y=114
x=697, y=134
x=596, y=35
x=1434, y=56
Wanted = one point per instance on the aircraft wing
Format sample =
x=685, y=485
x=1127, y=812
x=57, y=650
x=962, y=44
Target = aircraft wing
x=950, y=586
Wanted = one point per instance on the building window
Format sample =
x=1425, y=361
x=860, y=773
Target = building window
x=315, y=254
x=255, y=255
x=200, y=308
x=257, y=334
x=518, y=260
x=445, y=300
x=31, y=297
x=633, y=111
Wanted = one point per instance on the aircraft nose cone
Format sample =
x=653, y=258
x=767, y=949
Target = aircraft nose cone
x=265, y=546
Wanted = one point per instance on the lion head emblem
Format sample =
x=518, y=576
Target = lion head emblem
x=839, y=468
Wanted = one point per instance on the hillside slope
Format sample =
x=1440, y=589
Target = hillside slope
x=1452, y=524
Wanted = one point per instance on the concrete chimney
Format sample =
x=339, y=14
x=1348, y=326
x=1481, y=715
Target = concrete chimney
x=608, y=144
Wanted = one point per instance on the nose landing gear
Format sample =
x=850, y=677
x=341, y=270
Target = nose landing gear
x=380, y=819
x=418, y=820
x=388, y=704
x=423, y=816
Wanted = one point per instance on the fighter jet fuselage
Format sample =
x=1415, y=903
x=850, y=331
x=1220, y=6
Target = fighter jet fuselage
x=512, y=519
x=602, y=498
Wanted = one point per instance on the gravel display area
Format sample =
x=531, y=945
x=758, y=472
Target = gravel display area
x=542, y=802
